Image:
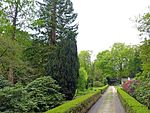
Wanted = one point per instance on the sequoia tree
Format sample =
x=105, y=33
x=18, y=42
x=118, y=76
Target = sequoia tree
x=56, y=27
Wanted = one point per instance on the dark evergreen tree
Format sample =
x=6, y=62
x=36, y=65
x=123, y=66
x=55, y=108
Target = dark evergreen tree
x=63, y=66
x=56, y=27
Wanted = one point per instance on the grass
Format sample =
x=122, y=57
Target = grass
x=78, y=102
x=90, y=90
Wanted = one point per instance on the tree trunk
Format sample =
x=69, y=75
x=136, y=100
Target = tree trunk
x=10, y=74
x=14, y=22
x=52, y=37
x=0, y=71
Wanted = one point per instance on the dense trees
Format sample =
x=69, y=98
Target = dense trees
x=121, y=61
x=41, y=58
x=56, y=30
x=39, y=64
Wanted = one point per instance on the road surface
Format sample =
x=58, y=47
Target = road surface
x=108, y=103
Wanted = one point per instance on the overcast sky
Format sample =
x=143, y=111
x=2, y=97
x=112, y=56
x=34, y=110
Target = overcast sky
x=104, y=22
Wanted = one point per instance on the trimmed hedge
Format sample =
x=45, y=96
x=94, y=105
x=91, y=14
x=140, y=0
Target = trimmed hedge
x=79, y=105
x=130, y=104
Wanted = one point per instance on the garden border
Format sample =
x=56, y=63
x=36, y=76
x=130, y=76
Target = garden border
x=81, y=104
x=130, y=104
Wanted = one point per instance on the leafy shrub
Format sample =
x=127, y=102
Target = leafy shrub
x=44, y=93
x=139, y=89
x=38, y=96
x=130, y=86
x=4, y=82
x=130, y=104
x=142, y=92
x=9, y=98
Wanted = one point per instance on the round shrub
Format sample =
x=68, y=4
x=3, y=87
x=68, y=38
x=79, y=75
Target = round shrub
x=44, y=93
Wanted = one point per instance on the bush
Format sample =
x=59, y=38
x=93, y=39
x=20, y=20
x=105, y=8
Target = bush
x=44, y=93
x=130, y=104
x=9, y=98
x=98, y=84
x=79, y=105
x=142, y=92
x=40, y=95
x=139, y=89
x=130, y=86
x=4, y=82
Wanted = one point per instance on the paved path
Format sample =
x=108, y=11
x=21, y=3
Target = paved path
x=108, y=103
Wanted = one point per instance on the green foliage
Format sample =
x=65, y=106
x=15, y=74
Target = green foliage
x=82, y=80
x=103, y=65
x=10, y=97
x=11, y=55
x=81, y=104
x=4, y=82
x=44, y=93
x=37, y=56
x=143, y=23
x=38, y=96
x=86, y=64
x=145, y=53
x=64, y=20
x=58, y=59
x=89, y=90
x=130, y=104
x=98, y=84
x=121, y=61
x=142, y=92
x=23, y=9
x=121, y=57
x=63, y=66
x=11, y=52
x=85, y=60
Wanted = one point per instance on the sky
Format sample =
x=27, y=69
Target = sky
x=104, y=22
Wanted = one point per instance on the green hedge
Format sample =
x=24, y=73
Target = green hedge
x=79, y=105
x=130, y=104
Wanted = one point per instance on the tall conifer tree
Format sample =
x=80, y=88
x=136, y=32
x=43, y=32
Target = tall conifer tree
x=56, y=27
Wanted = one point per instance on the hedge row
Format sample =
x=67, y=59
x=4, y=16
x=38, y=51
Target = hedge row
x=130, y=104
x=79, y=105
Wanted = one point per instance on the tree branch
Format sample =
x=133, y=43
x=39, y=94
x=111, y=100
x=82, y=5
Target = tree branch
x=3, y=53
